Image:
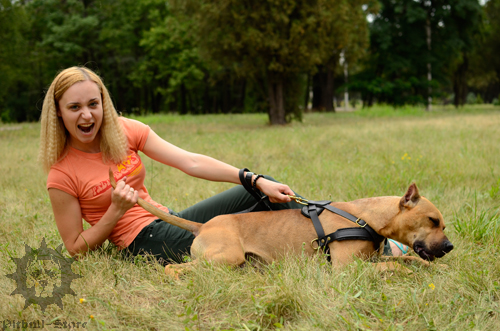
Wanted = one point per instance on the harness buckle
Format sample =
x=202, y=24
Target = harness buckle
x=300, y=200
x=360, y=224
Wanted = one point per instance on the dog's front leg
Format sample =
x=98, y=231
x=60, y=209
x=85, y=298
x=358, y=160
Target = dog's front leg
x=407, y=259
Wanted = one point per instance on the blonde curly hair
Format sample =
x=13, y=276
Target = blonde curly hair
x=53, y=133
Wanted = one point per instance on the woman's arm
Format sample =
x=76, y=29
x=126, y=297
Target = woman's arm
x=68, y=216
x=202, y=166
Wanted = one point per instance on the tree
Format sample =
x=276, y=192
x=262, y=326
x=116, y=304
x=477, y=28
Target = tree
x=464, y=23
x=343, y=27
x=16, y=88
x=407, y=38
x=269, y=41
x=484, y=62
x=171, y=59
x=120, y=56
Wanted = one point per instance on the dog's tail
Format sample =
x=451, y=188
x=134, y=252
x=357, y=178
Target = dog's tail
x=182, y=223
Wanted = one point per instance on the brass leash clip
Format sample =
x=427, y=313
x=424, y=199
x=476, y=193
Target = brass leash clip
x=297, y=199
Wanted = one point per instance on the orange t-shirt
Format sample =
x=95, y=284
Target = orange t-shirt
x=86, y=177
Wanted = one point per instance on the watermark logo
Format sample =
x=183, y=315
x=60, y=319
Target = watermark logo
x=43, y=276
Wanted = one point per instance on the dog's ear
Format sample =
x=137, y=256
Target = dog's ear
x=410, y=199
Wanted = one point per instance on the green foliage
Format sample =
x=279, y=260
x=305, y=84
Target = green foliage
x=214, y=56
x=396, y=70
x=273, y=42
x=17, y=96
x=495, y=189
x=485, y=63
x=481, y=225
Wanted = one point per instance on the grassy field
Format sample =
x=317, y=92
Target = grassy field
x=452, y=155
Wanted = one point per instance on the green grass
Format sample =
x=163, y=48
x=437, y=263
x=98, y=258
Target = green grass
x=452, y=155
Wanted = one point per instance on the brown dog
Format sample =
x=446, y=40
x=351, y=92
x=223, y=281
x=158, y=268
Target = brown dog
x=229, y=239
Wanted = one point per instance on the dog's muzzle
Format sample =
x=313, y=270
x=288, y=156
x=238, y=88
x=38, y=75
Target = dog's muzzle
x=430, y=253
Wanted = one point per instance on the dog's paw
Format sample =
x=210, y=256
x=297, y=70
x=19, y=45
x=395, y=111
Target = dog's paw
x=441, y=266
x=392, y=266
x=172, y=272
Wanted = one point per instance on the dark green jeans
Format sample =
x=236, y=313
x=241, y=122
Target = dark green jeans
x=168, y=242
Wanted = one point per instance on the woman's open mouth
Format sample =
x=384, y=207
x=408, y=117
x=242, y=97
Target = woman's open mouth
x=86, y=128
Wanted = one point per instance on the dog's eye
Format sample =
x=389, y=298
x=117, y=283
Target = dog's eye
x=435, y=221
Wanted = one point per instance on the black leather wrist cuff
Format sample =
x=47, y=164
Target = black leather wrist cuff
x=255, y=181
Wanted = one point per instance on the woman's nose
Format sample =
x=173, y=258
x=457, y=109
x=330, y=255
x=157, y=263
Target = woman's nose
x=86, y=113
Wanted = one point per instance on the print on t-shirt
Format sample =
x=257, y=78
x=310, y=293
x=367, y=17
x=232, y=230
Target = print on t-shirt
x=130, y=167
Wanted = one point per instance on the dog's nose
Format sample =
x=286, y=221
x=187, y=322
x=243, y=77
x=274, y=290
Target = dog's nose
x=447, y=246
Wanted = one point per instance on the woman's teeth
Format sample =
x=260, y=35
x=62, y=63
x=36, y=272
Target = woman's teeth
x=86, y=127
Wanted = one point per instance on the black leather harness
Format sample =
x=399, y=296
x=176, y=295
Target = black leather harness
x=364, y=232
x=312, y=209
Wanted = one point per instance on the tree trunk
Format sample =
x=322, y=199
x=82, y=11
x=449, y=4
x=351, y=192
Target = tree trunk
x=460, y=82
x=306, y=99
x=329, y=91
x=317, y=87
x=240, y=103
x=324, y=89
x=225, y=103
x=276, y=100
x=183, y=100
x=206, y=96
x=429, y=66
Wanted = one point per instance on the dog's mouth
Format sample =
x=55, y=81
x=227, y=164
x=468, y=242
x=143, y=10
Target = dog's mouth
x=420, y=250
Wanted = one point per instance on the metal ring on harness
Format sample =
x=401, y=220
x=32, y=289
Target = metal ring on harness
x=328, y=240
x=315, y=248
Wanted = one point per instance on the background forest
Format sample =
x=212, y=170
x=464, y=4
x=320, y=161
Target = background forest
x=281, y=57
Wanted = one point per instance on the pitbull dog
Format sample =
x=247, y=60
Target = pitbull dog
x=230, y=239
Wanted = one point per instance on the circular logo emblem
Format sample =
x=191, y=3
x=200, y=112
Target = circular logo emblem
x=43, y=276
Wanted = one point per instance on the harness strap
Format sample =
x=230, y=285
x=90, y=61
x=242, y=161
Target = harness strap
x=313, y=214
x=364, y=232
x=350, y=234
x=375, y=237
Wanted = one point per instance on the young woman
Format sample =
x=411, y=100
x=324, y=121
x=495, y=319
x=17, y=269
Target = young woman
x=82, y=137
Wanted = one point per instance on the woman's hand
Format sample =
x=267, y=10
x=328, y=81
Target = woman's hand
x=68, y=216
x=276, y=192
x=123, y=197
